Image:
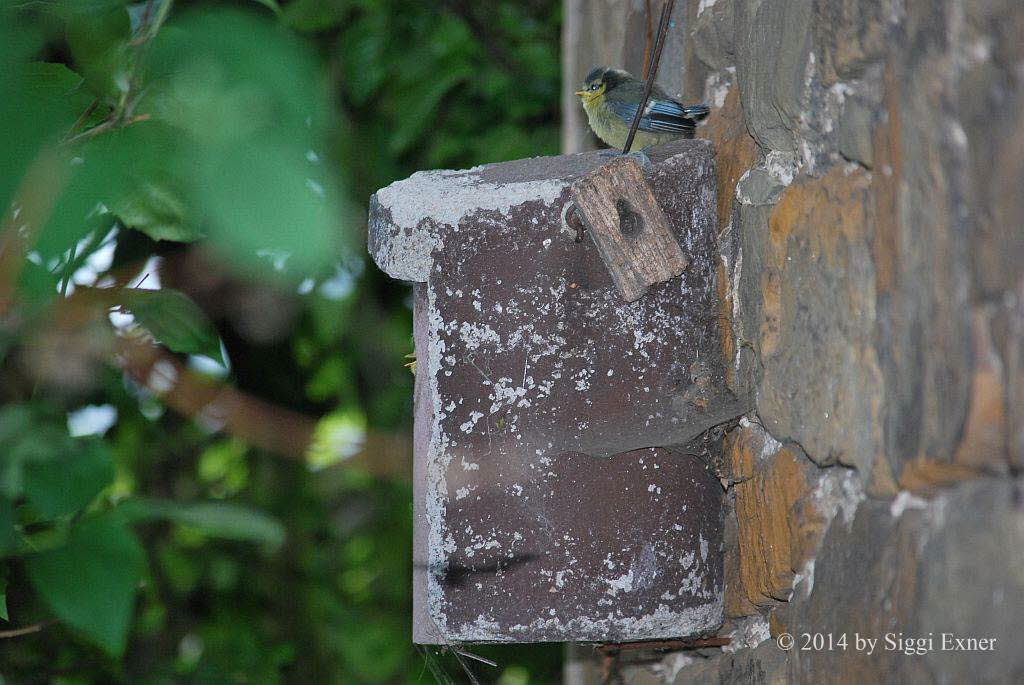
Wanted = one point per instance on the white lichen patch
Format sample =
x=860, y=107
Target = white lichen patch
x=804, y=579
x=905, y=500
x=704, y=6
x=839, y=490
x=440, y=542
x=623, y=583
x=474, y=416
x=475, y=335
x=643, y=569
x=658, y=623
x=769, y=445
x=717, y=85
x=582, y=379
x=749, y=633
x=507, y=393
x=560, y=578
x=782, y=166
x=480, y=543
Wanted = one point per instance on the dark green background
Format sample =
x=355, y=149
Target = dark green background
x=302, y=574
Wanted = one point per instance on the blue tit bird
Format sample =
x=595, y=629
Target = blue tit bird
x=611, y=97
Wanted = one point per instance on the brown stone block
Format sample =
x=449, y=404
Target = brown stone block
x=736, y=602
x=929, y=473
x=850, y=35
x=983, y=448
x=888, y=158
x=882, y=483
x=983, y=445
x=947, y=565
x=778, y=525
x=926, y=237
x=778, y=623
x=736, y=151
x=822, y=385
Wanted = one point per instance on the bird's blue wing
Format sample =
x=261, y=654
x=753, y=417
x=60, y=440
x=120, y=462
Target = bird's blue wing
x=662, y=116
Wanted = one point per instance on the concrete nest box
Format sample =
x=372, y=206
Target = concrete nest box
x=552, y=499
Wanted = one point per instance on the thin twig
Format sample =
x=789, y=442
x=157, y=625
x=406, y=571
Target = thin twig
x=610, y=668
x=149, y=29
x=107, y=125
x=649, y=38
x=82, y=119
x=94, y=131
x=27, y=630
x=696, y=643
x=147, y=13
x=666, y=13
x=141, y=281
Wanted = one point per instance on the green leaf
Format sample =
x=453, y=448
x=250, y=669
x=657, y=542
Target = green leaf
x=368, y=644
x=15, y=420
x=338, y=436
x=418, y=105
x=216, y=519
x=260, y=200
x=55, y=86
x=3, y=600
x=361, y=48
x=70, y=481
x=90, y=582
x=27, y=123
x=224, y=75
x=271, y=4
x=158, y=210
x=174, y=320
x=250, y=108
x=99, y=39
x=24, y=441
x=334, y=378
x=102, y=171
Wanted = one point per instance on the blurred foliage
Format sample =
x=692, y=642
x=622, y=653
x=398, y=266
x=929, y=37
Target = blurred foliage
x=205, y=419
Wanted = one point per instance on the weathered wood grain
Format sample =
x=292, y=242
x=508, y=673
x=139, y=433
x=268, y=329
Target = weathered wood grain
x=628, y=227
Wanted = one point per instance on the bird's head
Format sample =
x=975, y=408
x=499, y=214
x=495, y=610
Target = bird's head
x=599, y=81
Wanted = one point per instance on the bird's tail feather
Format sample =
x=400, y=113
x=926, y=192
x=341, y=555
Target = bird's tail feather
x=696, y=111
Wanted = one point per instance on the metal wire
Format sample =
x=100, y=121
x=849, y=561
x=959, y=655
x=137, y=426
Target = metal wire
x=652, y=71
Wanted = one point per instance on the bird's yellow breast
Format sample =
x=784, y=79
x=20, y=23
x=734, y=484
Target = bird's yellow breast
x=612, y=130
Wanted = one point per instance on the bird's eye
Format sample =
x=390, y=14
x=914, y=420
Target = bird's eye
x=593, y=86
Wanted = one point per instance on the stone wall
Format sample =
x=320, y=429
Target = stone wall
x=870, y=166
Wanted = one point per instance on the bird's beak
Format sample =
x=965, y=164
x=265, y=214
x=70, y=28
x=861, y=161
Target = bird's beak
x=581, y=93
